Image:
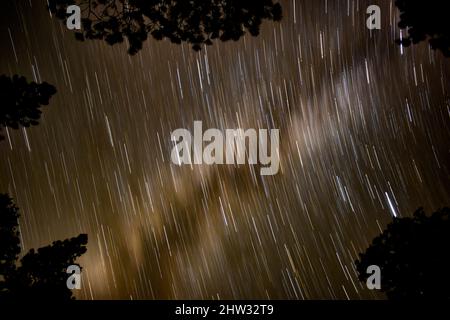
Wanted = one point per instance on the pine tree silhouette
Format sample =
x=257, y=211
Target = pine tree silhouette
x=20, y=101
x=41, y=274
x=196, y=21
x=413, y=256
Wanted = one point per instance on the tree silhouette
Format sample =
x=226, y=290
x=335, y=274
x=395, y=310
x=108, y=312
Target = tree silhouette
x=41, y=274
x=425, y=19
x=21, y=101
x=196, y=21
x=413, y=255
x=9, y=237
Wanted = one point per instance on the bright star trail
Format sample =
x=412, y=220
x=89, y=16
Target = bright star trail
x=364, y=136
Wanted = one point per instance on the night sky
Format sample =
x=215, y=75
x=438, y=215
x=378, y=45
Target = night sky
x=364, y=136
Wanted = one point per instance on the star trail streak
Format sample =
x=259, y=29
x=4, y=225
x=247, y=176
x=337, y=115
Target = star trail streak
x=364, y=136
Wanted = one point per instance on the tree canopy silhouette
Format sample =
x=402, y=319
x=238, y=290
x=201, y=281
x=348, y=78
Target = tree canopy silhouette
x=196, y=21
x=20, y=101
x=425, y=20
x=40, y=274
x=413, y=255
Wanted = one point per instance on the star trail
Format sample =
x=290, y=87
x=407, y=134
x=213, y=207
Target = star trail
x=364, y=137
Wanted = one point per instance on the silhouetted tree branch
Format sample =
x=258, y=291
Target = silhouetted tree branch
x=413, y=255
x=20, y=101
x=196, y=22
x=425, y=20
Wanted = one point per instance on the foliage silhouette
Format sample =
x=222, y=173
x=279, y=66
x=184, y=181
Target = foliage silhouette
x=21, y=101
x=412, y=254
x=196, y=21
x=425, y=19
x=9, y=236
x=41, y=274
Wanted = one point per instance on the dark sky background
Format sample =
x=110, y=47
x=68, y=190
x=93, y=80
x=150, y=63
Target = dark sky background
x=364, y=136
